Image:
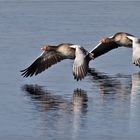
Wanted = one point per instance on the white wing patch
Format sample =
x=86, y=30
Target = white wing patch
x=136, y=50
x=136, y=54
x=80, y=65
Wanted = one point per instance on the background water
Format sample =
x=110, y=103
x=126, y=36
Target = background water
x=105, y=105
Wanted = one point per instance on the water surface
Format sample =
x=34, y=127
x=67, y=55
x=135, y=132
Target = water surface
x=52, y=105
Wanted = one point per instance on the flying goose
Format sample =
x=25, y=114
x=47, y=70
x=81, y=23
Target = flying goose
x=54, y=54
x=107, y=44
x=118, y=40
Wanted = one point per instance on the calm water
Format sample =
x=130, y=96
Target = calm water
x=105, y=105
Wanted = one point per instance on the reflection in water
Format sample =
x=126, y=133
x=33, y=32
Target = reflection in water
x=58, y=111
x=111, y=84
x=79, y=105
x=125, y=90
x=79, y=101
x=46, y=100
x=135, y=91
x=43, y=99
x=135, y=102
x=135, y=83
x=116, y=107
x=115, y=83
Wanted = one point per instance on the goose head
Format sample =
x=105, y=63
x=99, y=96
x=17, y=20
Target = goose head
x=122, y=39
x=45, y=48
x=105, y=40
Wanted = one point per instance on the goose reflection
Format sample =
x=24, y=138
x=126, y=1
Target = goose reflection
x=135, y=83
x=79, y=101
x=119, y=83
x=46, y=100
x=107, y=84
x=118, y=102
x=120, y=98
x=57, y=110
x=120, y=93
x=135, y=102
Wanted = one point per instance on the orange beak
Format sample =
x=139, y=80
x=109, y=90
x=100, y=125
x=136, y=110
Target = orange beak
x=44, y=48
x=103, y=40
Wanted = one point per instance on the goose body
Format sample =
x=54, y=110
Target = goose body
x=54, y=54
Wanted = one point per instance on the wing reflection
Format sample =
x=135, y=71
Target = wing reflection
x=135, y=83
x=111, y=83
x=119, y=100
x=57, y=110
x=135, y=92
x=46, y=100
x=43, y=99
x=79, y=101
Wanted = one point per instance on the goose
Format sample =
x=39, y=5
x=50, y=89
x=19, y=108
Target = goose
x=107, y=44
x=54, y=54
x=118, y=40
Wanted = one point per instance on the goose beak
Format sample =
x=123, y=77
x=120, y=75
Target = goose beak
x=45, y=48
x=103, y=40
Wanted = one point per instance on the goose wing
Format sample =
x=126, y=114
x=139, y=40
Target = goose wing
x=136, y=50
x=43, y=62
x=103, y=48
x=136, y=54
x=80, y=65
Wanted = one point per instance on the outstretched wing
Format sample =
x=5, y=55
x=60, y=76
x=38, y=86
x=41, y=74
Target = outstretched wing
x=43, y=62
x=136, y=50
x=80, y=65
x=136, y=54
x=103, y=48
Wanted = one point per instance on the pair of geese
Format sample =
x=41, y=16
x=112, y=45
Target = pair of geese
x=54, y=54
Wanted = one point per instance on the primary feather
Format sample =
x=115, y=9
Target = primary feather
x=43, y=62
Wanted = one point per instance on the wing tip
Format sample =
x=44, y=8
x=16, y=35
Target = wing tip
x=26, y=73
x=80, y=74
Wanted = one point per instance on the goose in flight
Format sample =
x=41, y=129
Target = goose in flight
x=107, y=44
x=118, y=40
x=54, y=54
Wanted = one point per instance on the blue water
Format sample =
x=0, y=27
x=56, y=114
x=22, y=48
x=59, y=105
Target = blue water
x=105, y=105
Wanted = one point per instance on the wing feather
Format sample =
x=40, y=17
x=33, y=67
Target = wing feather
x=136, y=50
x=103, y=48
x=43, y=62
x=80, y=65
